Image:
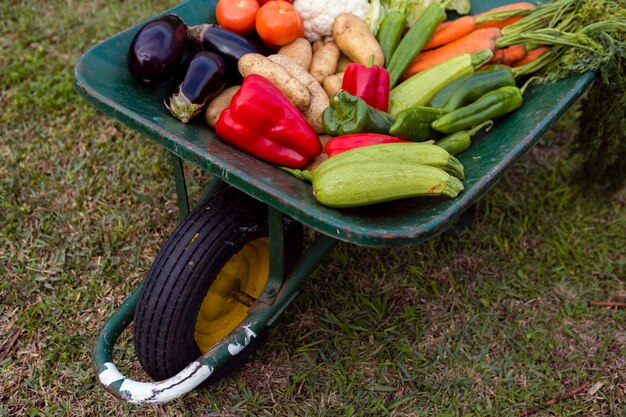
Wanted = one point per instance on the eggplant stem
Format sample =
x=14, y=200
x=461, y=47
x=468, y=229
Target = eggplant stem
x=181, y=108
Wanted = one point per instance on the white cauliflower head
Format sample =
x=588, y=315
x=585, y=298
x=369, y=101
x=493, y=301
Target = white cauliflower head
x=318, y=15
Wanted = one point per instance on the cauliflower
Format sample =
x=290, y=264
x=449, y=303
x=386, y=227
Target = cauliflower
x=318, y=15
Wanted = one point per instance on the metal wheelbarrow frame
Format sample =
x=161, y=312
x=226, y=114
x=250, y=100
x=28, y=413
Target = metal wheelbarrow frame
x=102, y=79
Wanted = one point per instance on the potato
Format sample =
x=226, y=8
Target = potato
x=319, y=102
x=294, y=70
x=219, y=104
x=299, y=50
x=316, y=162
x=324, y=139
x=324, y=60
x=355, y=40
x=321, y=157
x=333, y=83
x=319, y=98
x=295, y=91
x=343, y=63
x=316, y=45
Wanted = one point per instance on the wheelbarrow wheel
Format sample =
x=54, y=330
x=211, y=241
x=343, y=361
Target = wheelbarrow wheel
x=202, y=281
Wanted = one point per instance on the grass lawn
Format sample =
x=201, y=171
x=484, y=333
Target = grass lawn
x=494, y=322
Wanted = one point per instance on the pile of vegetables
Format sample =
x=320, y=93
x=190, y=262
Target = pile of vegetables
x=576, y=36
x=555, y=40
x=372, y=103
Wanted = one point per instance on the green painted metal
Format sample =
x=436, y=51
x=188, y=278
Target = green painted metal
x=112, y=329
x=277, y=262
x=181, y=185
x=215, y=185
x=102, y=78
x=260, y=316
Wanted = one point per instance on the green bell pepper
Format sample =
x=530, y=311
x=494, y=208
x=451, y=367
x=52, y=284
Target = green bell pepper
x=349, y=114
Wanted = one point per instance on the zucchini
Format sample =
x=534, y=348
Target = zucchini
x=384, y=172
x=359, y=183
x=419, y=89
x=416, y=153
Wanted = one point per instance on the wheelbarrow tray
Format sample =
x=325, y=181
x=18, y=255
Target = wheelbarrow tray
x=102, y=78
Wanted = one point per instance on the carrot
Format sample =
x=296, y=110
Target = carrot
x=524, y=5
x=475, y=41
x=508, y=55
x=498, y=23
x=531, y=56
x=450, y=31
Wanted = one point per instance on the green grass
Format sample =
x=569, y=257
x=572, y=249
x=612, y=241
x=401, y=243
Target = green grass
x=488, y=323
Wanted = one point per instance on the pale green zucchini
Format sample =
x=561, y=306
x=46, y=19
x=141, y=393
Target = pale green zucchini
x=363, y=182
x=414, y=152
x=419, y=89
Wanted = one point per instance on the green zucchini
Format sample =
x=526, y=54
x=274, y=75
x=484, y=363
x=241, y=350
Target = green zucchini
x=416, y=153
x=419, y=89
x=360, y=183
x=384, y=172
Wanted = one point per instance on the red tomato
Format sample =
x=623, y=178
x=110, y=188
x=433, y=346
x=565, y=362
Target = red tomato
x=262, y=2
x=278, y=23
x=237, y=15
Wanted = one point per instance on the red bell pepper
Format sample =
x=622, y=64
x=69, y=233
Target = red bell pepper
x=356, y=140
x=264, y=123
x=368, y=83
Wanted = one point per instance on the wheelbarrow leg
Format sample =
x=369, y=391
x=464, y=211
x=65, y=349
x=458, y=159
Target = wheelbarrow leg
x=215, y=185
x=181, y=185
x=277, y=263
x=464, y=222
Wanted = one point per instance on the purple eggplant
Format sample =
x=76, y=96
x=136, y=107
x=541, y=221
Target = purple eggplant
x=203, y=80
x=228, y=44
x=157, y=49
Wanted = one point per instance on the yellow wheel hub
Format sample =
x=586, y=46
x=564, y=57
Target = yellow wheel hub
x=235, y=288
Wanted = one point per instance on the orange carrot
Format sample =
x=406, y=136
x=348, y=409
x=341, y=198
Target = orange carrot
x=475, y=41
x=498, y=23
x=508, y=55
x=524, y=5
x=450, y=31
x=531, y=56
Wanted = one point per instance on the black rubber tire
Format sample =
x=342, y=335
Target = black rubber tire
x=182, y=273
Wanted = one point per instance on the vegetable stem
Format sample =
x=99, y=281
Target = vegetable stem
x=445, y=4
x=528, y=83
x=488, y=17
x=549, y=36
x=475, y=129
x=301, y=174
x=535, y=65
x=545, y=15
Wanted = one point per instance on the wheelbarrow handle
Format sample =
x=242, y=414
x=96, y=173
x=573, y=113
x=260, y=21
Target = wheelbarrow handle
x=259, y=316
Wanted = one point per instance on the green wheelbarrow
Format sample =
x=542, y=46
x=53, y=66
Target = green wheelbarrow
x=236, y=260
